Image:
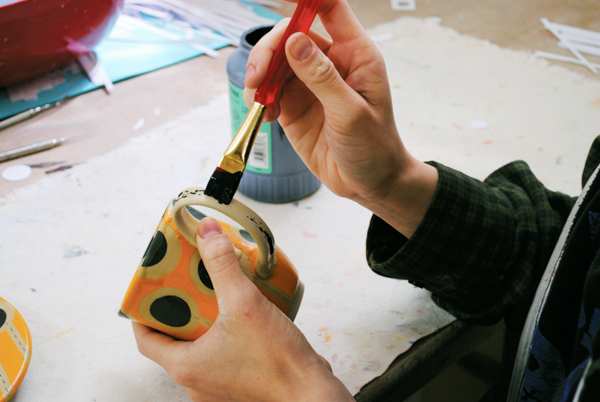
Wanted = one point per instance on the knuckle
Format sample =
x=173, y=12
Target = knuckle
x=247, y=303
x=142, y=349
x=182, y=376
x=219, y=253
x=142, y=346
x=217, y=246
x=363, y=112
x=186, y=371
x=324, y=72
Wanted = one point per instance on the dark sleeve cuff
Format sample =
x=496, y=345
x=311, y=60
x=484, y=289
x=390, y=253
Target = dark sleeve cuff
x=474, y=250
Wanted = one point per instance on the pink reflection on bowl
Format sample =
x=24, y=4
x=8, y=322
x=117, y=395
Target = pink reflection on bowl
x=37, y=36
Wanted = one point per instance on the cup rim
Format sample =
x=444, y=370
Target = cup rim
x=187, y=225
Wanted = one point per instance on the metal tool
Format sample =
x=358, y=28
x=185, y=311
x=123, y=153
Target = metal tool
x=47, y=164
x=29, y=113
x=34, y=148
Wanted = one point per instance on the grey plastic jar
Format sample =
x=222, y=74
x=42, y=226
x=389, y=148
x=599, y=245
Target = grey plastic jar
x=274, y=173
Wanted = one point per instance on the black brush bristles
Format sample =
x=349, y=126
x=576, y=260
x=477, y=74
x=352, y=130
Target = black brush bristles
x=223, y=185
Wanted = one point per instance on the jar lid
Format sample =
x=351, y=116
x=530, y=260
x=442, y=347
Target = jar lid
x=15, y=344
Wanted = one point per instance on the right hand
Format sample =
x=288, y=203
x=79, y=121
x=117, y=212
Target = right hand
x=337, y=113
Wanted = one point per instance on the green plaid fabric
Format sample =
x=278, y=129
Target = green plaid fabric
x=482, y=246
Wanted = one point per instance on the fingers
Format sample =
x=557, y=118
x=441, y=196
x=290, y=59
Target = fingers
x=220, y=260
x=310, y=65
x=318, y=73
x=154, y=345
x=259, y=59
x=262, y=53
x=338, y=19
x=326, y=363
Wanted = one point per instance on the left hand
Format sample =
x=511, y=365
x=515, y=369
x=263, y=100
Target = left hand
x=253, y=352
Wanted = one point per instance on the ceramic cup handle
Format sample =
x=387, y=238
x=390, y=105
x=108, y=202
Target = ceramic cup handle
x=248, y=219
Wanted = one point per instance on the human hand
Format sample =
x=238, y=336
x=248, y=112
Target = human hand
x=336, y=110
x=253, y=352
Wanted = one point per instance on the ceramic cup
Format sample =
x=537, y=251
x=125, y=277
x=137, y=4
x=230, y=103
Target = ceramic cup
x=172, y=291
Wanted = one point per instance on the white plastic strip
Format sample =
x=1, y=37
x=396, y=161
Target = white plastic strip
x=559, y=57
x=583, y=48
x=574, y=32
x=94, y=70
x=557, y=31
x=173, y=38
x=226, y=20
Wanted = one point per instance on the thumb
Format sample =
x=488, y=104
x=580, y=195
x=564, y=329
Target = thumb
x=220, y=260
x=317, y=72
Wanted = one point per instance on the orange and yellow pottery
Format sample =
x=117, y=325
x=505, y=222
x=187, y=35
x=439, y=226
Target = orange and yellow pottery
x=171, y=290
x=15, y=350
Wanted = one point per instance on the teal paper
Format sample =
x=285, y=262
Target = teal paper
x=121, y=61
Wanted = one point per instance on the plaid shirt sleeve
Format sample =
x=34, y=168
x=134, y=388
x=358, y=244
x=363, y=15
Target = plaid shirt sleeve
x=482, y=246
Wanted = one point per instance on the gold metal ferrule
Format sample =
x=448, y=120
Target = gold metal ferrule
x=237, y=153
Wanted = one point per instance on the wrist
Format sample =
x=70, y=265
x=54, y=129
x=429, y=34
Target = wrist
x=408, y=198
x=325, y=386
x=315, y=382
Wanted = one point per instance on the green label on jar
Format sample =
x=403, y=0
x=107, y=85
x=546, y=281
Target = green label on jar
x=260, y=157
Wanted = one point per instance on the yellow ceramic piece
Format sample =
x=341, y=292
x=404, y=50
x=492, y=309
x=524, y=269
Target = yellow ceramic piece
x=15, y=350
x=171, y=290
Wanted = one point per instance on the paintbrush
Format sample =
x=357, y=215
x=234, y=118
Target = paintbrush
x=226, y=178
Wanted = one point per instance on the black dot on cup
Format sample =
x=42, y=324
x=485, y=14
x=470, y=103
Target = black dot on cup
x=195, y=213
x=2, y=317
x=171, y=310
x=203, y=274
x=156, y=250
x=247, y=236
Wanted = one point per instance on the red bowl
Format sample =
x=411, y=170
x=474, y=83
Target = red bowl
x=37, y=36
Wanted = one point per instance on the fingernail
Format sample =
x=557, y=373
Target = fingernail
x=208, y=228
x=300, y=48
x=250, y=71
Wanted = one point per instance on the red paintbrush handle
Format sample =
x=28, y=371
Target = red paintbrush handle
x=302, y=19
